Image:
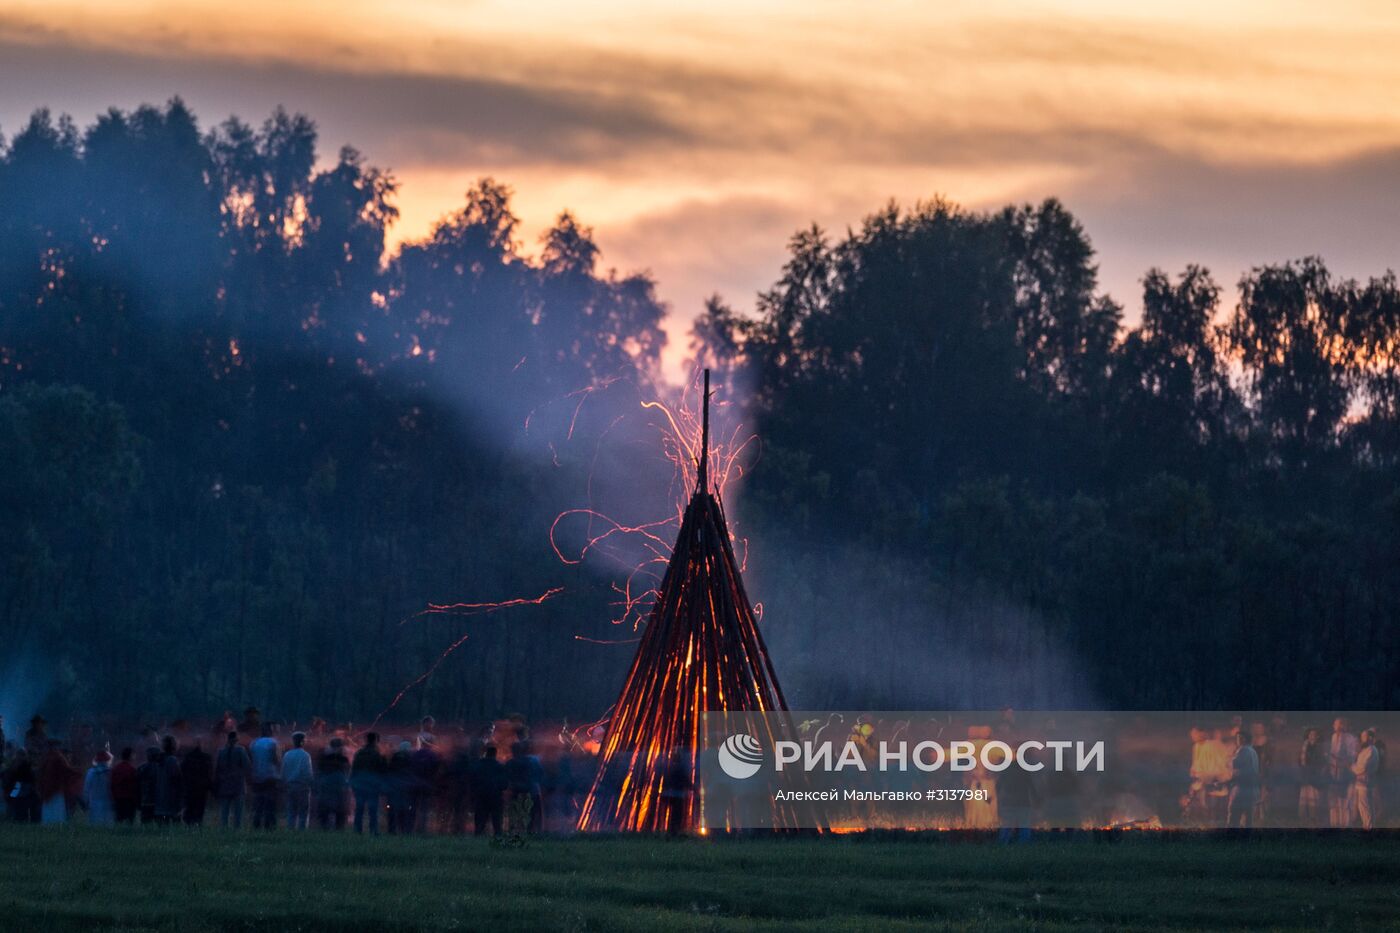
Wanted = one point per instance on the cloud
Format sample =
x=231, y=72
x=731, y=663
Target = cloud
x=404, y=118
x=697, y=142
x=1168, y=210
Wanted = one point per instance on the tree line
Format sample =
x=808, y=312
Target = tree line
x=1201, y=509
x=246, y=444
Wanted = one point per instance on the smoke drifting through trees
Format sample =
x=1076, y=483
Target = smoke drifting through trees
x=243, y=444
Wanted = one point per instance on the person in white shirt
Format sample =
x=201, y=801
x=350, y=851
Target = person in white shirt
x=297, y=778
x=1342, y=750
x=1366, y=769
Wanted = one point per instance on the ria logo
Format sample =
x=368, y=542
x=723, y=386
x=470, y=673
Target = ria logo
x=741, y=756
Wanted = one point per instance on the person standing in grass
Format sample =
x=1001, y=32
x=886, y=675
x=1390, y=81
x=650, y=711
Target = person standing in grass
x=1367, y=772
x=147, y=780
x=126, y=790
x=679, y=789
x=398, y=785
x=366, y=779
x=97, y=790
x=56, y=775
x=21, y=788
x=296, y=777
x=1244, y=784
x=197, y=773
x=1341, y=755
x=526, y=776
x=265, y=775
x=332, y=781
x=170, y=787
x=459, y=786
x=488, y=782
x=427, y=773
x=1312, y=777
x=1264, y=749
x=231, y=769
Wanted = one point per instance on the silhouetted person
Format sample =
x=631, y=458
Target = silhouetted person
x=56, y=778
x=97, y=790
x=1342, y=750
x=525, y=776
x=126, y=789
x=21, y=788
x=583, y=765
x=197, y=771
x=1244, y=784
x=1312, y=779
x=367, y=781
x=1264, y=748
x=332, y=784
x=488, y=789
x=232, y=768
x=267, y=772
x=427, y=772
x=296, y=778
x=558, y=781
x=170, y=791
x=1367, y=771
x=399, y=788
x=147, y=778
x=676, y=796
x=459, y=786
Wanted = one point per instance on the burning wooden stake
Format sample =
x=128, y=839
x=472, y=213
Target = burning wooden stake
x=701, y=652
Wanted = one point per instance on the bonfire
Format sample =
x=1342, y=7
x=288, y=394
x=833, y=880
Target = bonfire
x=701, y=651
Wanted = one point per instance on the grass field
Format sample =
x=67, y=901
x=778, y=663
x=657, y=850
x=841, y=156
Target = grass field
x=68, y=879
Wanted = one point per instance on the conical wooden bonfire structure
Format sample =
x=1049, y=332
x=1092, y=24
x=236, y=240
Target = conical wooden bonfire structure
x=701, y=652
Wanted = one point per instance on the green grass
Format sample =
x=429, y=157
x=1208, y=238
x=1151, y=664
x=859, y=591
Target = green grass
x=77, y=878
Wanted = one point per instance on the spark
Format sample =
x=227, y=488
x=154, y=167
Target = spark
x=458, y=610
x=471, y=609
x=416, y=681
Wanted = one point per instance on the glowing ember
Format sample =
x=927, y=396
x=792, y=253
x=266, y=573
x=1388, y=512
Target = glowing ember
x=679, y=426
x=458, y=609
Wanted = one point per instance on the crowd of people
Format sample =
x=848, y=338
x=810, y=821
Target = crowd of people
x=1241, y=775
x=330, y=778
x=1235, y=772
x=1339, y=777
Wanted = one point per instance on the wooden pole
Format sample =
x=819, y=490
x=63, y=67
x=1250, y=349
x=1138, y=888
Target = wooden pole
x=702, y=474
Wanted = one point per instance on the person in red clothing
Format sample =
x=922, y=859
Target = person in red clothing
x=56, y=778
x=126, y=794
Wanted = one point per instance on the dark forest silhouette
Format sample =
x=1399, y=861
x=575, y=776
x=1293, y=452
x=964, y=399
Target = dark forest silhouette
x=241, y=444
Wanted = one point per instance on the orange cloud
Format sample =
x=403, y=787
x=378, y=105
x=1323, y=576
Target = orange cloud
x=694, y=137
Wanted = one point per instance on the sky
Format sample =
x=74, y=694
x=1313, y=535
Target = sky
x=697, y=137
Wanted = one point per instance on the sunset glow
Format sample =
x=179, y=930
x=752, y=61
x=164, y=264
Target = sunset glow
x=696, y=137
